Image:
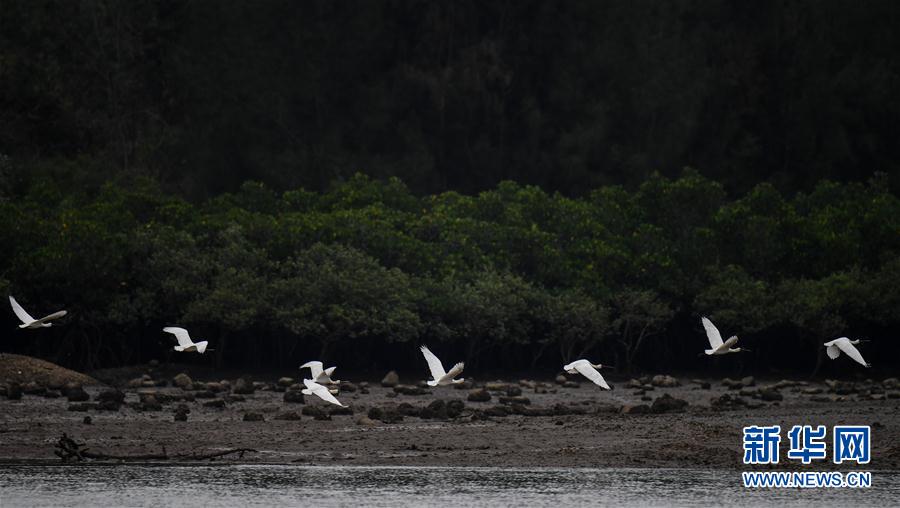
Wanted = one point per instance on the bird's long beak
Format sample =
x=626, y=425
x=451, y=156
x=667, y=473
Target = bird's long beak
x=607, y=366
x=865, y=340
x=747, y=350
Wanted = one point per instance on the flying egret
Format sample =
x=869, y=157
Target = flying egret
x=588, y=370
x=715, y=340
x=30, y=322
x=845, y=345
x=313, y=388
x=437, y=370
x=319, y=375
x=185, y=344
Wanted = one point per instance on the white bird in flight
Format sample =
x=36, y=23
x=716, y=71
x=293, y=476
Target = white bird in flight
x=30, y=322
x=437, y=370
x=588, y=370
x=845, y=345
x=185, y=344
x=715, y=340
x=319, y=375
x=313, y=388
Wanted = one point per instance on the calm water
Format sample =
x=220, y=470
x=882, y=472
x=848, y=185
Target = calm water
x=142, y=485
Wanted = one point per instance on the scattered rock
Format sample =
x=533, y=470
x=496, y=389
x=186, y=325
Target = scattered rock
x=87, y=420
x=215, y=404
x=525, y=383
x=215, y=387
x=294, y=397
x=338, y=410
x=385, y=415
x=244, y=386
x=727, y=401
x=75, y=393
x=668, y=404
x=407, y=409
x=32, y=388
x=635, y=409
x=664, y=381
x=82, y=406
x=390, y=380
x=891, y=383
x=770, y=394
x=523, y=410
x=288, y=415
x=348, y=387
x=455, y=407
x=497, y=411
x=253, y=417
x=149, y=402
x=467, y=384
x=571, y=384
x=732, y=384
x=437, y=410
x=410, y=390
x=561, y=379
x=183, y=381
x=844, y=388
x=479, y=395
x=515, y=400
x=748, y=381
x=285, y=381
x=815, y=390
x=496, y=386
x=365, y=421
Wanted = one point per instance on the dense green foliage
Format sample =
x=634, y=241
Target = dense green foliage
x=568, y=95
x=512, y=277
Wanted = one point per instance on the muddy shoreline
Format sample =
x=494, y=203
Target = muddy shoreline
x=613, y=431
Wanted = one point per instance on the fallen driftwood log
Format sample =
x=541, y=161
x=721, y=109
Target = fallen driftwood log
x=67, y=448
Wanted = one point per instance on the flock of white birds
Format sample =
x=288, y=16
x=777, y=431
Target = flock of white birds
x=322, y=377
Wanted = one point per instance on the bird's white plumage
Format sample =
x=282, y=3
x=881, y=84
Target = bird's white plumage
x=844, y=345
x=712, y=333
x=315, y=368
x=586, y=369
x=28, y=321
x=434, y=363
x=181, y=335
x=437, y=369
x=313, y=388
x=23, y=316
x=319, y=374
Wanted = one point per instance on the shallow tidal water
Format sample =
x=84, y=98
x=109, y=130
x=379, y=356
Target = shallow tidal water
x=285, y=485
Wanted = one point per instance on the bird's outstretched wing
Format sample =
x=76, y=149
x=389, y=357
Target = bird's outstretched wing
x=456, y=370
x=51, y=317
x=20, y=312
x=184, y=339
x=315, y=368
x=588, y=371
x=321, y=392
x=730, y=343
x=833, y=351
x=851, y=351
x=434, y=364
x=712, y=333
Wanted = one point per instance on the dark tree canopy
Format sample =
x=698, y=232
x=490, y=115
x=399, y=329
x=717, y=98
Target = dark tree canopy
x=568, y=95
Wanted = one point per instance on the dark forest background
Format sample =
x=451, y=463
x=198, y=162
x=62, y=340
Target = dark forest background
x=516, y=183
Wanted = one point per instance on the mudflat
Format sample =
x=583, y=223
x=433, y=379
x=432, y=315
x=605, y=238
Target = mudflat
x=557, y=426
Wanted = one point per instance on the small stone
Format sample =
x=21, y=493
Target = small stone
x=348, y=387
x=664, y=381
x=497, y=411
x=479, y=395
x=183, y=381
x=496, y=386
x=338, y=410
x=244, y=386
x=571, y=384
x=515, y=400
x=215, y=387
x=770, y=394
x=288, y=415
x=410, y=390
x=87, y=420
x=668, y=404
x=75, y=393
x=390, y=380
x=215, y=404
x=285, y=381
x=149, y=402
x=561, y=379
x=14, y=391
x=294, y=397
x=253, y=417
x=366, y=421
x=32, y=388
x=748, y=381
x=638, y=409
x=455, y=408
